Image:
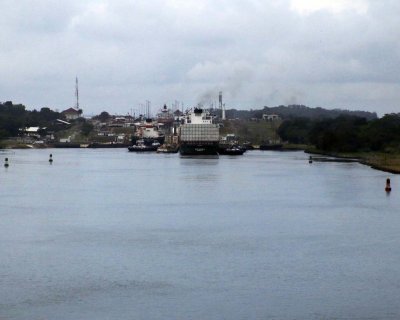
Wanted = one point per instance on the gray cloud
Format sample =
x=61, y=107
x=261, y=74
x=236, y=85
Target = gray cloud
x=257, y=52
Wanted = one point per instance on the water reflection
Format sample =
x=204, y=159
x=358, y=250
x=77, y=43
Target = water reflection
x=196, y=160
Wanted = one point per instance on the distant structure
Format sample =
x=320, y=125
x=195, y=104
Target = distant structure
x=73, y=112
x=32, y=131
x=222, y=106
x=148, y=108
x=271, y=117
x=77, y=93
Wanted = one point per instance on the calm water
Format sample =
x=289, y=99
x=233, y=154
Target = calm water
x=108, y=234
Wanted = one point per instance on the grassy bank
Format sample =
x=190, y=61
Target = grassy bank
x=388, y=162
x=13, y=144
x=383, y=161
x=295, y=147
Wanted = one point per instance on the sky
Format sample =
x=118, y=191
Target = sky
x=320, y=53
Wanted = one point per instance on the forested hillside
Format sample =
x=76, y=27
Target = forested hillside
x=295, y=111
x=14, y=117
x=345, y=133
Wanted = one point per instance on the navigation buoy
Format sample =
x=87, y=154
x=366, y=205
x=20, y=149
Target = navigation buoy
x=6, y=162
x=51, y=158
x=310, y=160
x=388, y=188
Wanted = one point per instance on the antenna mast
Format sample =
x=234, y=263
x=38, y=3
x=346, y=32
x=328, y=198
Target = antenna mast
x=77, y=93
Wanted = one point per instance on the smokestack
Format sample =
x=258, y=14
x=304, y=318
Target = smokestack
x=221, y=105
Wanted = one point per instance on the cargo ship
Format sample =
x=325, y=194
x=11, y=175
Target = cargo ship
x=198, y=134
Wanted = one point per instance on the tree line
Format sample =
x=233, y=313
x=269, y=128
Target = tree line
x=294, y=111
x=345, y=133
x=13, y=117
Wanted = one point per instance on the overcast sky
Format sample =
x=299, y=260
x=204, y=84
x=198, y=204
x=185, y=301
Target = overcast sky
x=327, y=53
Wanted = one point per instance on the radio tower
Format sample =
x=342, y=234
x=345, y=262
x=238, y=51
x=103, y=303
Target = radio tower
x=77, y=93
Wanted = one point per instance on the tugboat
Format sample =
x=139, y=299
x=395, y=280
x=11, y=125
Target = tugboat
x=168, y=148
x=198, y=134
x=142, y=146
x=229, y=145
x=233, y=150
x=247, y=145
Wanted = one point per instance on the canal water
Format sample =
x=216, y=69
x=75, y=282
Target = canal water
x=108, y=234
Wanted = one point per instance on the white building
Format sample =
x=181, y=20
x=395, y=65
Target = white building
x=271, y=117
x=72, y=113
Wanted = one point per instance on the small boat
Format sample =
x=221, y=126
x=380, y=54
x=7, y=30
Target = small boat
x=231, y=151
x=247, y=145
x=66, y=145
x=141, y=146
x=167, y=148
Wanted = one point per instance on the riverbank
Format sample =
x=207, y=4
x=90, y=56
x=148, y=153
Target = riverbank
x=384, y=162
x=6, y=144
x=20, y=144
x=388, y=162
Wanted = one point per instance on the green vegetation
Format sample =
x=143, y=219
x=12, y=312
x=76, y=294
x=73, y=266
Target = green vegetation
x=86, y=128
x=345, y=133
x=254, y=131
x=375, y=142
x=79, y=131
x=14, y=117
x=103, y=116
x=294, y=111
x=296, y=131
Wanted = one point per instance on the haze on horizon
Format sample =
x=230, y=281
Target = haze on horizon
x=332, y=54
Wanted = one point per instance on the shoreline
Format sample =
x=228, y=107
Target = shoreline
x=377, y=161
x=91, y=145
x=389, y=163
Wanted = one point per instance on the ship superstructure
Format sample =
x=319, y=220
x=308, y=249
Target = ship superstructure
x=148, y=131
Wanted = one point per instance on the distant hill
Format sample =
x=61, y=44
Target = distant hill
x=297, y=111
x=316, y=113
